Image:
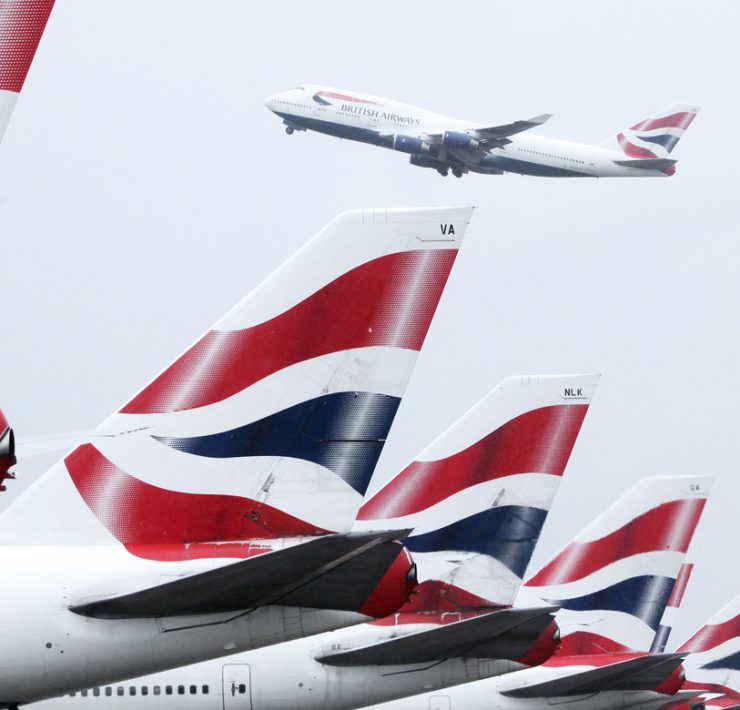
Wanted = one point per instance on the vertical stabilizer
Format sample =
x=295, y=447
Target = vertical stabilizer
x=614, y=580
x=477, y=497
x=272, y=422
x=22, y=23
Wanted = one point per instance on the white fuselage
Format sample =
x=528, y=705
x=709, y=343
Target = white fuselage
x=376, y=120
x=47, y=650
x=289, y=676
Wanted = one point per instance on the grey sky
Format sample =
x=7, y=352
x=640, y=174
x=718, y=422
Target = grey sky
x=144, y=188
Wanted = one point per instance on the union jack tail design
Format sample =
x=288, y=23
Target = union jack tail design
x=714, y=663
x=270, y=425
x=614, y=580
x=22, y=23
x=477, y=497
x=655, y=137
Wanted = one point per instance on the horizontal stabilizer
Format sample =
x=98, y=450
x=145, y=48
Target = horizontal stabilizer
x=330, y=572
x=506, y=634
x=642, y=673
x=648, y=163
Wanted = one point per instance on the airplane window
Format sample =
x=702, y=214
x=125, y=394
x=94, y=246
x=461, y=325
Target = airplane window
x=108, y=691
x=71, y=695
x=145, y=690
x=119, y=690
x=193, y=690
x=132, y=690
x=157, y=690
x=96, y=692
x=204, y=689
x=84, y=693
x=242, y=688
x=181, y=690
x=168, y=690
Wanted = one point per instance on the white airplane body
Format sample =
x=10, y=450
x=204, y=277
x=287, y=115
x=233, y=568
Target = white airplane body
x=448, y=144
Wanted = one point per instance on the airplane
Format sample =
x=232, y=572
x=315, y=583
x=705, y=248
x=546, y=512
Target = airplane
x=477, y=498
x=452, y=145
x=213, y=513
x=22, y=23
x=612, y=584
x=7, y=451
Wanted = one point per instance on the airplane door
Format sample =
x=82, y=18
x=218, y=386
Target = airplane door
x=236, y=687
x=439, y=702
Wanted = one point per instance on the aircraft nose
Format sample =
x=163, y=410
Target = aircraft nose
x=270, y=102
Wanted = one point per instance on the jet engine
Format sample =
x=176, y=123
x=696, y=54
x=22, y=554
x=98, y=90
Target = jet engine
x=410, y=144
x=461, y=141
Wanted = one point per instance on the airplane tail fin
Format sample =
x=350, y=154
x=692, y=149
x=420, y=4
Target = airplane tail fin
x=655, y=137
x=22, y=23
x=477, y=497
x=614, y=580
x=674, y=604
x=714, y=660
x=270, y=424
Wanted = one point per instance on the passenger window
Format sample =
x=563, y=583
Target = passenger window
x=242, y=688
x=132, y=690
x=108, y=692
x=96, y=692
x=119, y=690
x=156, y=690
x=145, y=690
x=181, y=690
x=168, y=690
x=193, y=689
x=204, y=690
x=84, y=693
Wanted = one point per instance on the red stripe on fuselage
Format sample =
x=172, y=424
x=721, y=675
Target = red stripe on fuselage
x=539, y=441
x=668, y=527
x=388, y=302
x=22, y=23
x=151, y=521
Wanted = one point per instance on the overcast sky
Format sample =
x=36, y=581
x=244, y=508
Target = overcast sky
x=144, y=188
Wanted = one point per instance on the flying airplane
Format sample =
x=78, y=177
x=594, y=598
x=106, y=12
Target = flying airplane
x=612, y=584
x=477, y=498
x=215, y=518
x=452, y=145
x=22, y=22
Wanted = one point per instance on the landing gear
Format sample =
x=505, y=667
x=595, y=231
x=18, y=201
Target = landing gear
x=457, y=172
x=289, y=131
x=442, y=171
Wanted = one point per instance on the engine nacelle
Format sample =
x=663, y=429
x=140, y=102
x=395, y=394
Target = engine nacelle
x=461, y=141
x=410, y=144
x=424, y=161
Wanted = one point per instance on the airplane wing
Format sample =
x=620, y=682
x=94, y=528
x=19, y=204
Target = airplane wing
x=642, y=673
x=329, y=572
x=504, y=634
x=489, y=136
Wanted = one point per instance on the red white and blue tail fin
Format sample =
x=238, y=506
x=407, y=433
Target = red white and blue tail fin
x=477, y=497
x=714, y=660
x=270, y=424
x=614, y=580
x=654, y=138
x=22, y=23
